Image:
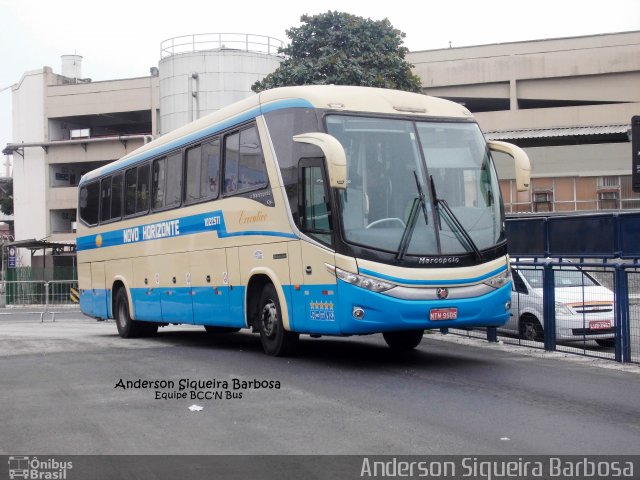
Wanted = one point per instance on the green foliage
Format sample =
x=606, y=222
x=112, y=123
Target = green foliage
x=343, y=49
x=6, y=195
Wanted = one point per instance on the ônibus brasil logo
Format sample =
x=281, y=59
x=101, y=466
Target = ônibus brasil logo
x=33, y=468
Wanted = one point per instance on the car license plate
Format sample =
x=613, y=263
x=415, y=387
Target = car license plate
x=599, y=324
x=436, y=314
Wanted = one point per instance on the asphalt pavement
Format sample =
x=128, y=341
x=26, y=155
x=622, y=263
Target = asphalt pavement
x=64, y=390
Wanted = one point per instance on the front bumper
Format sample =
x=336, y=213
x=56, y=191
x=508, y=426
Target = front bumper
x=383, y=313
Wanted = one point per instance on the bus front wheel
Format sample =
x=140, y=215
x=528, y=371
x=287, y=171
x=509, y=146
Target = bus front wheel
x=405, y=340
x=127, y=327
x=275, y=339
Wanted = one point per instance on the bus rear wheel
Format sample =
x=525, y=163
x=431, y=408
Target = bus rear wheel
x=127, y=327
x=275, y=339
x=403, y=341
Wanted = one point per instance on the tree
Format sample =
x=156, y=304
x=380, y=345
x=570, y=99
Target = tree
x=6, y=195
x=343, y=49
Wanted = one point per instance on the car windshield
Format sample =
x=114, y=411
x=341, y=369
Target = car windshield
x=565, y=277
x=388, y=158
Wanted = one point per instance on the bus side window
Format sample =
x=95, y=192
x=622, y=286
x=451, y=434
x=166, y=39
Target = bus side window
x=244, y=167
x=89, y=201
x=158, y=183
x=137, y=190
x=131, y=179
x=174, y=180
x=105, y=201
x=315, y=217
x=116, y=197
x=202, y=165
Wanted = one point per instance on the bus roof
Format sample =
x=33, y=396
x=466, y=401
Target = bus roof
x=331, y=97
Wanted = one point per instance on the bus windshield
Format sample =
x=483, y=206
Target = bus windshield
x=390, y=160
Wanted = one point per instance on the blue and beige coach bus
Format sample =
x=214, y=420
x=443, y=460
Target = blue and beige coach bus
x=320, y=210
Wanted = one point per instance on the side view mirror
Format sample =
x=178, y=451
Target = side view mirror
x=521, y=159
x=333, y=152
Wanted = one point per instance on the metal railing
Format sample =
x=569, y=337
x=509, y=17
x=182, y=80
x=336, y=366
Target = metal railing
x=220, y=41
x=39, y=293
x=589, y=308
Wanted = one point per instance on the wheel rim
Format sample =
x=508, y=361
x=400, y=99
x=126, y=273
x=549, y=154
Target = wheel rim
x=269, y=318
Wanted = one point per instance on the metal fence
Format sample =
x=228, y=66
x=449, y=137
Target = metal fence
x=51, y=293
x=588, y=308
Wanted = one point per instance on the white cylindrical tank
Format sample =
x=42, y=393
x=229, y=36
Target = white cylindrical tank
x=71, y=66
x=202, y=73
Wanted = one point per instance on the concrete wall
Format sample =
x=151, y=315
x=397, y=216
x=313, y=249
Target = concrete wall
x=101, y=97
x=46, y=107
x=30, y=173
x=592, y=69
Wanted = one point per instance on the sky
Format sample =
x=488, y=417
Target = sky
x=121, y=39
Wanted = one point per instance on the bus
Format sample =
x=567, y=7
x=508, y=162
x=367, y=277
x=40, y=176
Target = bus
x=315, y=210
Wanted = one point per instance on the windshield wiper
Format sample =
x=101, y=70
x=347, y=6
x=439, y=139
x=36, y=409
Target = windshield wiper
x=418, y=202
x=452, y=221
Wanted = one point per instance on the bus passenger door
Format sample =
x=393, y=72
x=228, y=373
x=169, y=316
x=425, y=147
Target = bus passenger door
x=175, y=288
x=210, y=294
x=319, y=285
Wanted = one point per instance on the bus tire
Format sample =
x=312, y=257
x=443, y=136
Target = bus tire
x=213, y=330
x=275, y=339
x=127, y=327
x=404, y=340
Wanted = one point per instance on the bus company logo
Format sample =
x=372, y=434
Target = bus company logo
x=98, y=241
x=438, y=260
x=32, y=468
x=442, y=293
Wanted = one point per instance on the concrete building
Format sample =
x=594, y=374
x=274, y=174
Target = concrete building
x=65, y=125
x=568, y=102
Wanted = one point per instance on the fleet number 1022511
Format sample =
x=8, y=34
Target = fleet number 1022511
x=212, y=221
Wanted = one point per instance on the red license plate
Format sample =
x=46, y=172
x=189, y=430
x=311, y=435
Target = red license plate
x=599, y=324
x=436, y=314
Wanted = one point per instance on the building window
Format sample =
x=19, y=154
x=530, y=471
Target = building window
x=542, y=201
x=608, y=199
x=608, y=193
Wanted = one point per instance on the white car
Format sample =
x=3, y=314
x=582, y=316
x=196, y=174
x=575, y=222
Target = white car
x=584, y=308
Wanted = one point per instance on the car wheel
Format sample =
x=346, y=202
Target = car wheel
x=530, y=329
x=213, y=330
x=128, y=328
x=607, y=342
x=275, y=339
x=405, y=340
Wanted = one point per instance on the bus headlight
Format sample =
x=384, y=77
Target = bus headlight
x=362, y=281
x=499, y=280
